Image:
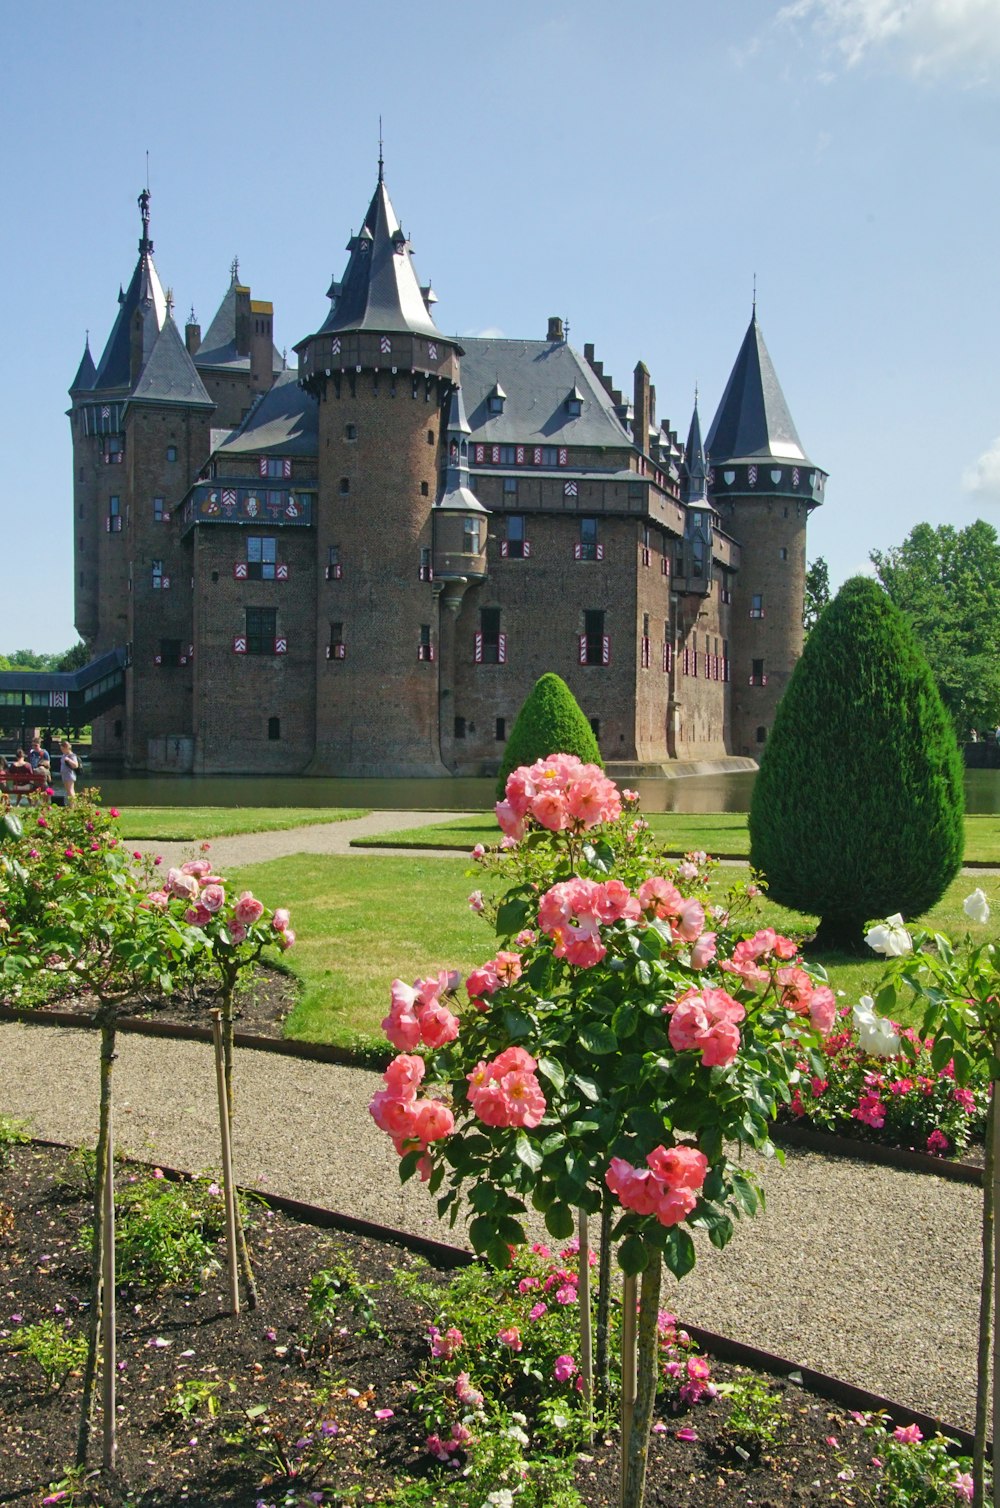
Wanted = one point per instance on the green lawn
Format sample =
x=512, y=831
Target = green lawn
x=190, y=824
x=360, y=925
x=719, y=833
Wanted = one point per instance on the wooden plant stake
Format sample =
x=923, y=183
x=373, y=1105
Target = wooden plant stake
x=227, y=1164
x=109, y=1363
x=636, y=1454
x=586, y=1350
x=991, y=1179
x=628, y=1374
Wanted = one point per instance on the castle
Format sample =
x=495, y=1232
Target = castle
x=361, y=565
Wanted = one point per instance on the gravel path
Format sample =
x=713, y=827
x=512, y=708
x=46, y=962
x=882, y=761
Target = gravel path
x=865, y=1272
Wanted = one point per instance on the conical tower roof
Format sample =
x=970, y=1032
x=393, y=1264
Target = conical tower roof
x=380, y=289
x=694, y=485
x=170, y=376
x=219, y=346
x=144, y=292
x=753, y=421
x=85, y=372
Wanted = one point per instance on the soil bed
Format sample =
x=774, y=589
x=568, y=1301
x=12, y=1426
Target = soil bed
x=261, y=1005
x=318, y=1412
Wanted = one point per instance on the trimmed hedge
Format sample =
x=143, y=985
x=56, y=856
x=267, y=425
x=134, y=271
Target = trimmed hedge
x=549, y=722
x=857, y=810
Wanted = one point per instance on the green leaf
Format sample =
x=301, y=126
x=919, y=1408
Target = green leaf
x=510, y=1230
x=597, y=1038
x=512, y=916
x=12, y=825
x=559, y=1221
x=528, y=1152
x=517, y=1024
x=678, y=1251
x=625, y=1019
x=552, y=1070
x=483, y=1198
x=941, y=1052
x=587, y=1087
x=482, y=1231
x=408, y=1166
x=498, y=1253
x=633, y=1255
x=600, y=856
x=553, y=1142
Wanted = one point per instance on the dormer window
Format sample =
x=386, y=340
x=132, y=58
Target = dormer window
x=496, y=399
x=574, y=403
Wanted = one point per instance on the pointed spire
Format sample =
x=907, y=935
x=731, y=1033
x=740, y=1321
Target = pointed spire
x=85, y=372
x=144, y=294
x=170, y=376
x=457, y=495
x=381, y=162
x=753, y=420
x=694, y=483
x=380, y=289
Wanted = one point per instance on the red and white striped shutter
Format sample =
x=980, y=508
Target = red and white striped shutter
x=501, y=649
x=480, y=452
x=644, y=653
x=240, y=570
x=165, y=584
x=538, y=455
x=240, y=644
x=286, y=466
x=520, y=455
x=716, y=668
x=600, y=552
x=578, y=551
x=527, y=548
x=605, y=649
x=582, y=649
x=157, y=659
x=562, y=457
x=478, y=650
x=503, y=549
x=281, y=571
x=190, y=651
x=262, y=465
x=687, y=661
x=496, y=455
x=281, y=646
x=725, y=669
x=665, y=566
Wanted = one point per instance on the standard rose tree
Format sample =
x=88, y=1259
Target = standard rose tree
x=625, y=1034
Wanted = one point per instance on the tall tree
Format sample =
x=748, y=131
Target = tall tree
x=817, y=592
x=947, y=583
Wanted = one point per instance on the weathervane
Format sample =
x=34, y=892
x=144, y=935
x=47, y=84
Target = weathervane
x=234, y=268
x=381, y=164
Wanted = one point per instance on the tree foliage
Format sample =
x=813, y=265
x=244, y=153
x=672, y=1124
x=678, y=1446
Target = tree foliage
x=857, y=810
x=817, y=592
x=947, y=582
x=550, y=721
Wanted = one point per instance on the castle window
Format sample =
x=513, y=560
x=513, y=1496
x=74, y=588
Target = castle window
x=696, y=520
x=344, y=486
x=114, y=505
x=508, y=455
x=460, y=727
x=595, y=727
x=588, y=547
x=501, y=732
x=757, y=676
x=470, y=536
x=636, y=492
x=424, y=490
x=336, y=649
x=550, y=455
x=594, y=646
x=490, y=643
x=170, y=652
x=261, y=630
x=430, y=437
x=425, y=649
x=274, y=466
x=697, y=557
x=261, y=558
x=114, y=449
x=783, y=553
x=645, y=544
x=574, y=404
x=274, y=729
x=426, y=572
x=757, y=605
x=510, y=486
x=159, y=510
x=515, y=546
x=171, y=452
x=496, y=399
x=644, y=643
x=350, y=431
x=761, y=735
x=156, y=575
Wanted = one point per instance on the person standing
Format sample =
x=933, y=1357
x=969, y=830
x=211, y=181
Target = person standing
x=36, y=754
x=69, y=765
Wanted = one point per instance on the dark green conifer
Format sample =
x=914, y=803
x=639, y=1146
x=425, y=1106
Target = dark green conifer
x=857, y=810
x=549, y=722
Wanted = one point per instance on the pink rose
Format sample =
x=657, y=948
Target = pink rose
x=564, y=1368
x=511, y=1336
x=197, y=915
x=434, y=1120
x=237, y=932
x=248, y=910
x=197, y=867
x=510, y=822
x=213, y=898
x=476, y=901
x=437, y=1025
x=703, y=951
x=280, y=920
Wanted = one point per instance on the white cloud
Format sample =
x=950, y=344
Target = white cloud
x=924, y=38
x=490, y=332
x=982, y=478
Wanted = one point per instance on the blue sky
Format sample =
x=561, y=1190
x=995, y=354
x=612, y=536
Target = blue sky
x=631, y=169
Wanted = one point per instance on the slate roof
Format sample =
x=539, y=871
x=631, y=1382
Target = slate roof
x=218, y=344
x=695, y=481
x=85, y=372
x=145, y=292
x=169, y=375
x=284, y=421
x=380, y=289
x=537, y=377
x=753, y=419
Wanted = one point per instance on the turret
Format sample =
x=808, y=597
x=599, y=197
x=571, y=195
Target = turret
x=459, y=522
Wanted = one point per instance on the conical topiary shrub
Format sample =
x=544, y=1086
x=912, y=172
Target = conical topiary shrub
x=857, y=810
x=549, y=722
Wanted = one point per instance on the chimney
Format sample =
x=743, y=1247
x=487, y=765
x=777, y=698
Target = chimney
x=640, y=407
x=243, y=325
x=588, y=353
x=261, y=345
x=192, y=336
x=555, y=328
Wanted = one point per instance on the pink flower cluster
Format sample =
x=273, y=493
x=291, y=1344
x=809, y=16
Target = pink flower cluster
x=445, y=1344
x=490, y=977
x=411, y=1122
x=800, y=994
x=506, y=1092
x=573, y=912
x=205, y=892
x=459, y=1439
x=766, y=944
x=661, y=899
x=559, y=793
x=667, y=1187
x=707, y=1021
x=417, y=1014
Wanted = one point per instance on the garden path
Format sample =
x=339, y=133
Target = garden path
x=869, y=1273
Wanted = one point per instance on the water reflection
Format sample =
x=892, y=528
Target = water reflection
x=692, y=793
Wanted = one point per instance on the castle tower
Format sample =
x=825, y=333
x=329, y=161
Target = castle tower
x=383, y=375
x=763, y=486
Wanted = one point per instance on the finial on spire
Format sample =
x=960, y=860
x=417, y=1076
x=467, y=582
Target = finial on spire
x=696, y=392
x=145, y=244
x=566, y=329
x=234, y=268
x=192, y=317
x=755, y=295
x=170, y=302
x=381, y=163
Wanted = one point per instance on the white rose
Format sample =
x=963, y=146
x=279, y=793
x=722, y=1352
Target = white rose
x=977, y=907
x=890, y=937
x=875, y=1033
